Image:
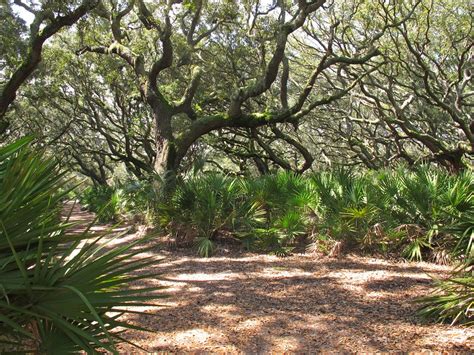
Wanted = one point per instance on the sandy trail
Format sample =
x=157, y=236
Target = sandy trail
x=251, y=303
x=258, y=303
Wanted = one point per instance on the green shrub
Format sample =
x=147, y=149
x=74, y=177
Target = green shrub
x=287, y=201
x=453, y=299
x=59, y=293
x=203, y=207
x=133, y=200
x=102, y=200
x=409, y=212
x=267, y=213
x=419, y=214
x=139, y=201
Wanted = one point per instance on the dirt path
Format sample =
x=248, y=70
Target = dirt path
x=235, y=302
x=258, y=303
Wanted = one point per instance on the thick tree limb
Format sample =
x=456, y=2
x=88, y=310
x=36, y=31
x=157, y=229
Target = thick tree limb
x=38, y=37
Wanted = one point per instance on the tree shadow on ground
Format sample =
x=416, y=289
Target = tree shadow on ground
x=254, y=303
x=258, y=306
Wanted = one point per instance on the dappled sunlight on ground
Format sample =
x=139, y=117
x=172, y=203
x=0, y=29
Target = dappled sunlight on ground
x=243, y=302
x=260, y=303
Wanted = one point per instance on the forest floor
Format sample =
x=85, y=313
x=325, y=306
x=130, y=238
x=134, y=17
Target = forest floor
x=244, y=302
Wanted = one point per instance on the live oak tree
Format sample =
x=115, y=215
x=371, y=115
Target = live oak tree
x=155, y=86
x=49, y=18
x=203, y=66
x=419, y=103
x=415, y=103
x=322, y=136
x=93, y=117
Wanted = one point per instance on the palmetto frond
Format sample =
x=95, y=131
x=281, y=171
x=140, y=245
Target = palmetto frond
x=57, y=291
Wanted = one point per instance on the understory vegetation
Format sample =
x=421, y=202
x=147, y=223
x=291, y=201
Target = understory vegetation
x=420, y=214
x=59, y=292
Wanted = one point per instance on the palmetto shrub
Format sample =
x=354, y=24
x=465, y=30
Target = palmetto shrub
x=59, y=293
x=268, y=213
x=436, y=202
x=453, y=298
x=287, y=200
x=459, y=223
x=102, y=200
x=407, y=212
x=203, y=207
x=133, y=200
x=343, y=208
x=410, y=212
x=139, y=200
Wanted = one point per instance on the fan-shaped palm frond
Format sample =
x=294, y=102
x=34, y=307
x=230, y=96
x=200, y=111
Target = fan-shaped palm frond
x=57, y=291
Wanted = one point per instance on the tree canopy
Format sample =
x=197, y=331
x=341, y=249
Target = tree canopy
x=158, y=87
